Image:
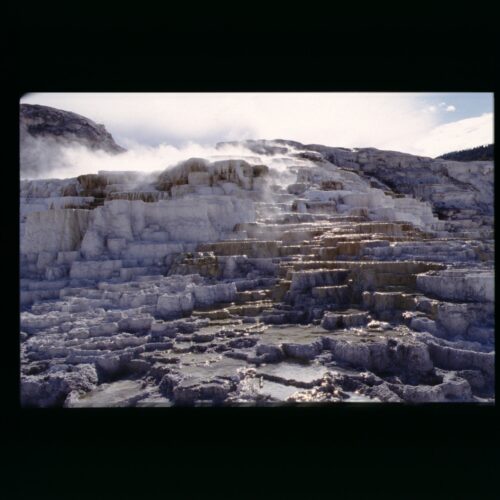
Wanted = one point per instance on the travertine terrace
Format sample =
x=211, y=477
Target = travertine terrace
x=295, y=274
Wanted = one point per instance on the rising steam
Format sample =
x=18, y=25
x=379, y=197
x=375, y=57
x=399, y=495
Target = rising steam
x=45, y=158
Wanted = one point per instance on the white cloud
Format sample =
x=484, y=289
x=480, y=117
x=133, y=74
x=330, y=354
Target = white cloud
x=447, y=107
x=454, y=136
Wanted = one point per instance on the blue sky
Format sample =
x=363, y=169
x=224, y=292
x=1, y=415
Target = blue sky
x=427, y=123
x=465, y=104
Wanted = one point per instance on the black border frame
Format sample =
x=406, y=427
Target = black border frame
x=314, y=49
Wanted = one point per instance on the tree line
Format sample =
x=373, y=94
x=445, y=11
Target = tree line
x=480, y=153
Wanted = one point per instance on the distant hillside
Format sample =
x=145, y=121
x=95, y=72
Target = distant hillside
x=45, y=131
x=481, y=153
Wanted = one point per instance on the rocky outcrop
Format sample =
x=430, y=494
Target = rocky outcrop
x=52, y=389
x=44, y=129
x=47, y=122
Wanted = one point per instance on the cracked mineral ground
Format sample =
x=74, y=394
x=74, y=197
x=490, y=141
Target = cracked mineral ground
x=294, y=274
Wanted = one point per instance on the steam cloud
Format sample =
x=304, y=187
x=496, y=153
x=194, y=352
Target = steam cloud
x=45, y=158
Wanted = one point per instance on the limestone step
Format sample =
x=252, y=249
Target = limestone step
x=253, y=295
x=251, y=248
x=251, y=308
x=344, y=319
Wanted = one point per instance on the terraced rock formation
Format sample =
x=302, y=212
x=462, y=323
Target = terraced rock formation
x=295, y=274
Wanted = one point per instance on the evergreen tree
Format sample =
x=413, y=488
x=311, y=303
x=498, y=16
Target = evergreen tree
x=480, y=153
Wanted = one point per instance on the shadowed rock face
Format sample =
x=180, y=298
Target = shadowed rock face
x=49, y=128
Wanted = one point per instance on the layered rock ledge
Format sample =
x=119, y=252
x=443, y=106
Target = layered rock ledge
x=299, y=273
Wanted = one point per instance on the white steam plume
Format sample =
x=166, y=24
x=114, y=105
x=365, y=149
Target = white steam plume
x=47, y=159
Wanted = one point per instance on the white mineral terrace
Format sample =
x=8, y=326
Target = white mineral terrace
x=308, y=276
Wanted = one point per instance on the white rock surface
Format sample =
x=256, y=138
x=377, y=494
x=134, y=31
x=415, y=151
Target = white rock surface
x=226, y=281
x=464, y=285
x=54, y=230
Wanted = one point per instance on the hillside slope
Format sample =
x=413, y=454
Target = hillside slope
x=43, y=131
